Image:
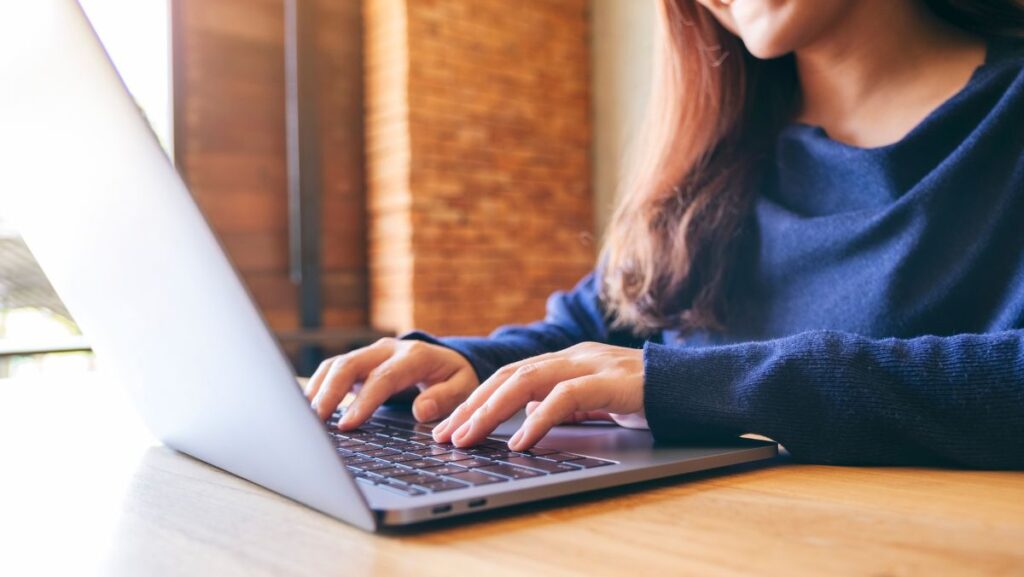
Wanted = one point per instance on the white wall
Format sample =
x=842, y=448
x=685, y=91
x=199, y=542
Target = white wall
x=621, y=45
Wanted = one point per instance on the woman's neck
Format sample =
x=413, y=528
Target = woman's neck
x=882, y=70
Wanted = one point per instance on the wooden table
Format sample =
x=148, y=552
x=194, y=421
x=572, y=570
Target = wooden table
x=85, y=490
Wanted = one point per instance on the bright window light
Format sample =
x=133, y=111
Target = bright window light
x=33, y=323
x=136, y=34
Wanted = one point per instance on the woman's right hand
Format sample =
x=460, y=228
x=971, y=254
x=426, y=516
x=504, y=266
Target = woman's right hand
x=386, y=367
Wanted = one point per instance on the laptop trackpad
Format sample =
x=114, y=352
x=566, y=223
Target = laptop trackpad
x=597, y=438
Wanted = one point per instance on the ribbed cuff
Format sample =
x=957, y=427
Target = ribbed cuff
x=691, y=393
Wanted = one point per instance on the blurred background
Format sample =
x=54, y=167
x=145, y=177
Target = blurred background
x=371, y=166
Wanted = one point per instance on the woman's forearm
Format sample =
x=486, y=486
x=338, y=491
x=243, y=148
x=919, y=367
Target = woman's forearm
x=835, y=397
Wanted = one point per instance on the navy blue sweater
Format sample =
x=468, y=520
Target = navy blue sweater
x=877, y=309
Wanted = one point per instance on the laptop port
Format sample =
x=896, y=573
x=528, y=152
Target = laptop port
x=476, y=503
x=441, y=509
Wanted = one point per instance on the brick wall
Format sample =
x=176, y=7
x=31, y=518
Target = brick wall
x=230, y=145
x=478, y=132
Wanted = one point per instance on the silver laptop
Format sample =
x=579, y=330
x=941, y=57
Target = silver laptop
x=122, y=241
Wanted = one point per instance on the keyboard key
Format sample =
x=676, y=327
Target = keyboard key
x=561, y=457
x=423, y=463
x=475, y=462
x=400, y=488
x=358, y=435
x=540, y=464
x=498, y=455
x=400, y=434
x=445, y=485
x=374, y=465
x=481, y=451
x=357, y=461
x=452, y=457
x=539, y=451
x=589, y=463
x=414, y=478
x=401, y=458
x=383, y=422
x=365, y=481
x=381, y=452
x=510, y=471
x=429, y=451
x=447, y=470
x=368, y=475
x=477, y=478
x=391, y=471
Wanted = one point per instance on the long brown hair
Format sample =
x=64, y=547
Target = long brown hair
x=713, y=115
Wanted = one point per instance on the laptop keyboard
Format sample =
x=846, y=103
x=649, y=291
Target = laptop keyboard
x=404, y=458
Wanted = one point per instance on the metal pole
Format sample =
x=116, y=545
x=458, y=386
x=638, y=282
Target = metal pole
x=303, y=157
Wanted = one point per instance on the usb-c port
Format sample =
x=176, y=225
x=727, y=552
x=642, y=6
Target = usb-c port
x=441, y=509
x=476, y=503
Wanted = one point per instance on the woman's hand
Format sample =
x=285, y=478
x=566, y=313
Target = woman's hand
x=585, y=381
x=385, y=368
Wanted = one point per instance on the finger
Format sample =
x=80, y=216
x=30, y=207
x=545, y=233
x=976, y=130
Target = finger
x=581, y=394
x=320, y=375
x=313, y=385
x=530, y=382
x=577, y=417
x=343, y=373
x=587, y=416
x=442, y=432
x=439, y=399
x=396, y=373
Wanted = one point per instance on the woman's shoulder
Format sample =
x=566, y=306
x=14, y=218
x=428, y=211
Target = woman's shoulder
x=997, y=87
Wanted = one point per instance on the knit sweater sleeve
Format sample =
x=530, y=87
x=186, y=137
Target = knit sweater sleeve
x=572, y=317
x=832, y=397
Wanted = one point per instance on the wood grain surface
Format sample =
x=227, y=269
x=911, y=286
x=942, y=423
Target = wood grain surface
x=91, y=493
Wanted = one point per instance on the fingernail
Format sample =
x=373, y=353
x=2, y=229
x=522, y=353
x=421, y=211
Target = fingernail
x=441, y=428
x=346, y=419
x=462, y=431
x=426, y=410
x=514, y=441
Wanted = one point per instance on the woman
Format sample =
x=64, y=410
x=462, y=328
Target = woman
x=821, y=242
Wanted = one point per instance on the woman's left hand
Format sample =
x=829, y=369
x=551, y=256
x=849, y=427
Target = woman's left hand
x=584, y=381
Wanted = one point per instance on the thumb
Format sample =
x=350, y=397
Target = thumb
x=441, y=398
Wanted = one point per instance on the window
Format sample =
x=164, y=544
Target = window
x=36, y=332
